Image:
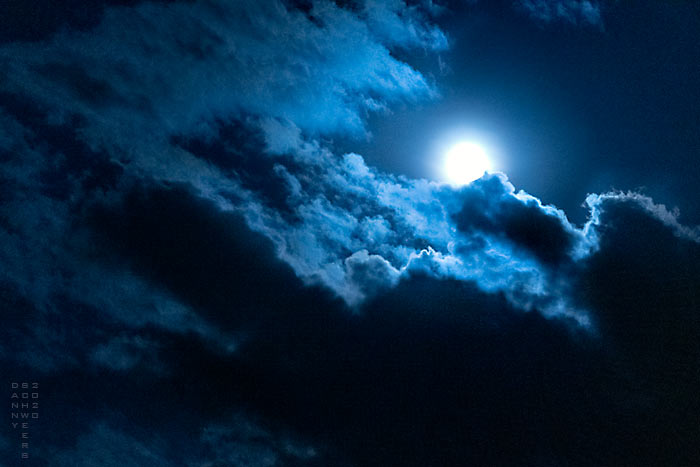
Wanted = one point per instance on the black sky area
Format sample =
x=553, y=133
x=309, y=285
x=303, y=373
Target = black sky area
x=225, y=239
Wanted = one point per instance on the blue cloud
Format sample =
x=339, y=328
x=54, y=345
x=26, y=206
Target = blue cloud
x=176, y=67
x=106, y=446
x=131, y=96
x=168, y=199
x=485, y=232
x=586, y=12
x=239, y=440
x=243, y=441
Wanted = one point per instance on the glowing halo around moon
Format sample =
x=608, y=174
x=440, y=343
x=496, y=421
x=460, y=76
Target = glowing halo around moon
x=465, y=162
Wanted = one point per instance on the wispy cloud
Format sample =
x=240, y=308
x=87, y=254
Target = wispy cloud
x=577, y=12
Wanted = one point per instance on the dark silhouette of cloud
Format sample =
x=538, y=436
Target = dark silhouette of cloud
x=182, y=249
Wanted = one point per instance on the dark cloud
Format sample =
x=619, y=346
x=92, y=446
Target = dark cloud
x=126, y=352
x=228, y=60
x=317, y=208
x=584, y=12
x=644, y=282
x=20, y=21
x=241, y=442
x=188, y=246
x=105, y=446
x=182, y=249
x=543, y=231
x=432, y=370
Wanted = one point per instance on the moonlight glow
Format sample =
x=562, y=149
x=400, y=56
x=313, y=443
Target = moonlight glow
x=464, y=163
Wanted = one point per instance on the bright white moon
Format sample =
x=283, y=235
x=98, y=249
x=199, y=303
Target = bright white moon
x=465, y=162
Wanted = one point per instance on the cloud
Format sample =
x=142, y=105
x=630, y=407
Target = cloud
x=178, y=236
x=241, y=441
x=644, y=278
x=504, y=241
x=429, y=359
x=126, y=352
x=110, y=447
x=90, y=114
x=229, y=101
x=4, y=444
x=544, y=231
x=334, y=207
x=240, y=126
x=230, y=59
x=584, y=12
x=597, y=202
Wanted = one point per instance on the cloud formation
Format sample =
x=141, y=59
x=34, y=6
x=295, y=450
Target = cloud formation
x=340, y=223
x=241, y=442
x=205, y=95
x=176, y=227
x=88, y=114
x=583, y=12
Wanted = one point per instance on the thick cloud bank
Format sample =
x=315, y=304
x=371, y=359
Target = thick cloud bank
x=175, y=227
x=177, y=93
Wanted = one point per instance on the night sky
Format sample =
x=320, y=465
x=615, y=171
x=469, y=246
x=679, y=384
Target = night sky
x=227, y=236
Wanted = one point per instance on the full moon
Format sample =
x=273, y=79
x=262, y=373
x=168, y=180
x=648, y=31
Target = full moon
x=465, y=162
